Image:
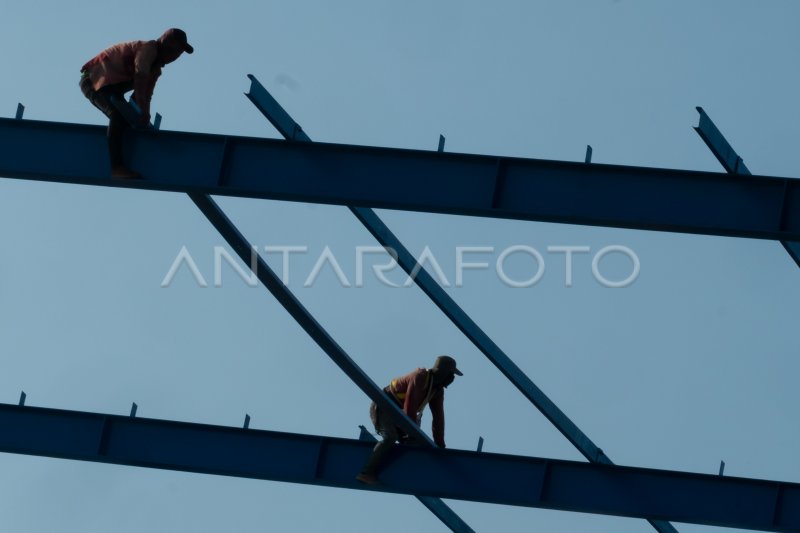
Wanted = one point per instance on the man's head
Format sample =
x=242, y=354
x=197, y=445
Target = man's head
x=445, y=370
x=172, y=44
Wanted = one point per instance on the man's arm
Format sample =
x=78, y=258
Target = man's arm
x=437, y=425
x=144, y=78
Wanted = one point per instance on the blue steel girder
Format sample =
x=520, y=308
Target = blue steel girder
x=287, y=127
x=465, y=475
x=291, y=130
x=414, y=180
x=732, y=163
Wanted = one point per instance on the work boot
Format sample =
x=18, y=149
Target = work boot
x=124, y=173
x=367, y=478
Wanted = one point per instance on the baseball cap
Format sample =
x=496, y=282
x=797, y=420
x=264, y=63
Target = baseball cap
x=447, y=364
x=178, y=36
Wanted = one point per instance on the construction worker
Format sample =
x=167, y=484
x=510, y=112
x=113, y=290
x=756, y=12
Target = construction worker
x=129, y=66
x=411, y=393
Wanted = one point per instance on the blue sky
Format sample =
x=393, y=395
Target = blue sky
x=693, y=363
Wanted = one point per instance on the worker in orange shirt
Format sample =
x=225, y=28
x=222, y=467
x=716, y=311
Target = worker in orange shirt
x=129, y=66
x=412, y=393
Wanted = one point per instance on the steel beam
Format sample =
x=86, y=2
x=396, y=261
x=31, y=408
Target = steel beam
x=303, y=318
x=434, y=505
x=290, y=129
x=458, y=474
x=463, y=184
x=732, y=163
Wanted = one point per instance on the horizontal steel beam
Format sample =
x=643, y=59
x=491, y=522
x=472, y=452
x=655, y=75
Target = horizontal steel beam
x=435, y=505
x=457, y=474
x=463, y=184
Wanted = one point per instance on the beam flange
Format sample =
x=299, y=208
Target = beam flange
x=458, y=474
x=413, y=180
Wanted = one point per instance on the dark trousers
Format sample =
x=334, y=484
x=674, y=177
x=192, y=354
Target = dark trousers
x=117, y=124
x=384, y=426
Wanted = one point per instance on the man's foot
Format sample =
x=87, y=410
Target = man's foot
x=367, y=479
x=124, y=173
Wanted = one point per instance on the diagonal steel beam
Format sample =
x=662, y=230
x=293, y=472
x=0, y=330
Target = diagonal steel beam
x=458, y=474
x=413, y=180
x=302, y=316
x=291, y=130
x=733, y=163
x=243, y=248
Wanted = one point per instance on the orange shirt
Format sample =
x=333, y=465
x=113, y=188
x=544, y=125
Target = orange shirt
x=132, y=61
x=413, y=391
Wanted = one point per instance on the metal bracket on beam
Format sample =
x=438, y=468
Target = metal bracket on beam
x=480, y=444
x=22, y=397
x=134, y=408
x=441, y=143
x=588, y=154
x=365, y=434
x=246, y=421
x=20, y=111
x=719, y=146
x=270, y=108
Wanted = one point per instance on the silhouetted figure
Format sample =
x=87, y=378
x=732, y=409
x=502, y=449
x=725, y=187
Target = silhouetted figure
x=412, y=392
x=129, y=66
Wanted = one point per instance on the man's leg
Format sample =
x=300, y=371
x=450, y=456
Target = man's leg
x=116, y=124
x=385, y=427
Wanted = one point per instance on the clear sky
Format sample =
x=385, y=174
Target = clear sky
x=693, y=363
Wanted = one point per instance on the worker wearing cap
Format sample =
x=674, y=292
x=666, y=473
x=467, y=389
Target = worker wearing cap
x=412, y=393
x=136, y=66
